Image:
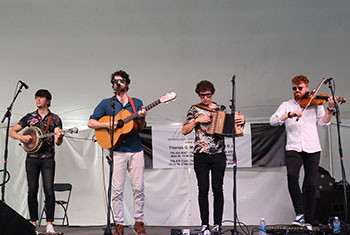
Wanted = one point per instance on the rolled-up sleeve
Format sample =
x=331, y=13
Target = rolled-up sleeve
x=320, y=113
x=275, y=118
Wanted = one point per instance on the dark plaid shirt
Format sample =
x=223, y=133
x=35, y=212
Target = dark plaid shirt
x=34, y=119
x=204, y=143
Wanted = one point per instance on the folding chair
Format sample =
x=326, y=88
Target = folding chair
x=61, y=187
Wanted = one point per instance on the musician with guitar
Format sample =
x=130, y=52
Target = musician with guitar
x=303, y=146
x=209, y=155
x=128, y=153
x=42, y=160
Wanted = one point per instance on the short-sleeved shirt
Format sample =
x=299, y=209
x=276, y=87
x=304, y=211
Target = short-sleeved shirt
x=204, y=143
x=47, y=150
x=132, y=142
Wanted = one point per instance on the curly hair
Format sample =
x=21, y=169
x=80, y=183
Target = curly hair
x=205, y=85
x=122, y=74
x=300, y=78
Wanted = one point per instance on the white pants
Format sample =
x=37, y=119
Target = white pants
x=134, y=163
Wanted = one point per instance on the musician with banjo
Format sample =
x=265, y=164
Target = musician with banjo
x=208, y=152
x=40, y=153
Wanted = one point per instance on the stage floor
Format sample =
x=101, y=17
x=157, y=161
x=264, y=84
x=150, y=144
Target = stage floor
x=96, y=230
x=162, y=230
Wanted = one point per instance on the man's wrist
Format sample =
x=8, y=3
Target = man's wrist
x=330, y=110
x=288, y=115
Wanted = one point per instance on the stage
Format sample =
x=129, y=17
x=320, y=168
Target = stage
x=151, y=230
x=166, y=230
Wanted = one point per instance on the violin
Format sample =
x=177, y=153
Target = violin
x=320, y=99
x=312, y=98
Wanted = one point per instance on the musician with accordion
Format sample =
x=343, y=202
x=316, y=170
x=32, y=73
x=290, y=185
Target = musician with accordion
x=40, y=154
x=209, y=155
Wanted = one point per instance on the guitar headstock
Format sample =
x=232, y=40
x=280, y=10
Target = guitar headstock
x=168, y=97
x=73, y=130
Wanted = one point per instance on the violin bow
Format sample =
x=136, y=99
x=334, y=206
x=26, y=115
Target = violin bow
x=312, y=97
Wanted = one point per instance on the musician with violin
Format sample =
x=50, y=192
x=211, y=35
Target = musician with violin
x=301, y=116
x=128, y=155
x=209, y=155
x=41, y=160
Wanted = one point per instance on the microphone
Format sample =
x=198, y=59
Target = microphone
x=328, y=80
x=118, y=86
x=220, y=108
x=23, y=84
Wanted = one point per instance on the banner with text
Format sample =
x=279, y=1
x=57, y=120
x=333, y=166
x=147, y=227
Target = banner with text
x=171, y=149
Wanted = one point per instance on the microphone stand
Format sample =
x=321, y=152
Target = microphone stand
x=108, y=230
x=337, y=116
x=233, y=108
x=8, y=116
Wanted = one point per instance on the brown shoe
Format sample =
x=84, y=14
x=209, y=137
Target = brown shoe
x=139, y=228
x=119, y=230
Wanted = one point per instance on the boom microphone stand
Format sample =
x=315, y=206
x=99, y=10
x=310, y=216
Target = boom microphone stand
x=233, y=108
x=8, y=116
x=337, y=117
x=108, y=230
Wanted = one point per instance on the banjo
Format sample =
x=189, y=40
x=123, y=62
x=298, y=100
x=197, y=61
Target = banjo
x=37, y=138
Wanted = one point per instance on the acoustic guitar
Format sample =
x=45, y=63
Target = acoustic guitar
x=126, y=123
x=37, y=135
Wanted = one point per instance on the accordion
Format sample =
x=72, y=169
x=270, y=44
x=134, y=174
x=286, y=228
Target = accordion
x=222, y=124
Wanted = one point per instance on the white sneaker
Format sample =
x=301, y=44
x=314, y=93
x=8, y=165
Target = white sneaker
x=216, y=230
x=49, y=228
x=205, y=230
x=299, y=220
x=308, y=226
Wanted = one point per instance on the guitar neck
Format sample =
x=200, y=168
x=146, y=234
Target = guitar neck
x=148, y=107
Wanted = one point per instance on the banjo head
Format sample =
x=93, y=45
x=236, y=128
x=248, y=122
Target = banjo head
x=35, y=144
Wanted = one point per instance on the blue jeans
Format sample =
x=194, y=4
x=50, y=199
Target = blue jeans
x=203, y=164
x=47, y=168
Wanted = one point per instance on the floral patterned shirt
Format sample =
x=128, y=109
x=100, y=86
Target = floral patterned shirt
x=204, y=143
x=34, y=119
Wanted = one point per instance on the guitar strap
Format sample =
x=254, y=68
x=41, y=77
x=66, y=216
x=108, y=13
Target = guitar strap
x=132, y=104
x=48, y=123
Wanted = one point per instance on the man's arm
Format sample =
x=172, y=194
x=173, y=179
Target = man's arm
x=142, y=118
x=329, y=112
x=94, y=124
x=187, y=128
x=15, y=135
x=59, y=136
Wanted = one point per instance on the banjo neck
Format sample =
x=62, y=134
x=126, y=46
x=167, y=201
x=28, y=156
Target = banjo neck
x=71, y=130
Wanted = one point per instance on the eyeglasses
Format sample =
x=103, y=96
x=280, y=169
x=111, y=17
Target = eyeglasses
x=299, y=88
x=208, y=95
x=123, y=80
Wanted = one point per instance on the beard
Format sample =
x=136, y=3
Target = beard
x=120, y=89
x=298, y=96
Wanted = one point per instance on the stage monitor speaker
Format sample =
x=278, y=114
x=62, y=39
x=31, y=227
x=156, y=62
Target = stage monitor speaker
x=13, y=223
x=330, y=204
x=325, y=181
